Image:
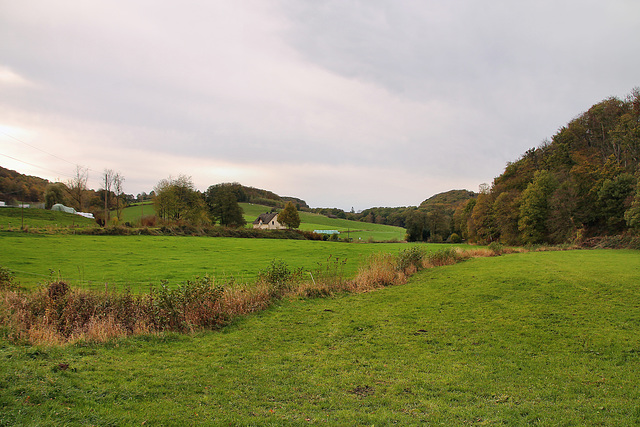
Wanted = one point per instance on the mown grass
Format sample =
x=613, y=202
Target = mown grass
x=544, y=338
x=136, y=261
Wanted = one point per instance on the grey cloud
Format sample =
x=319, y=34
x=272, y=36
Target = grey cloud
x=450, y=91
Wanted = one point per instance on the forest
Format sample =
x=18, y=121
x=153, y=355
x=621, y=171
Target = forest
x=582, y=183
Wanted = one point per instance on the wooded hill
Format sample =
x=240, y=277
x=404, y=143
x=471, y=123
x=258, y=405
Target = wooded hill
x=16, y=187
x=582, y=183
x=258, y=196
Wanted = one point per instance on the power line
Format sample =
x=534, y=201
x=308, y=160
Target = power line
x=36, y=166
x=39, y=149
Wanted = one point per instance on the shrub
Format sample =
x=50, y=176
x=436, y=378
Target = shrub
x=496, y=248
x=410, y=259
x=190, y=305
x=455, y=238
x=279, y=276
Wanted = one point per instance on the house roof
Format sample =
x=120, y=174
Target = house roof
x=265, y=217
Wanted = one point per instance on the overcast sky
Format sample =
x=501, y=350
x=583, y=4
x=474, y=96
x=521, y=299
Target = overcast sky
x=343, y=103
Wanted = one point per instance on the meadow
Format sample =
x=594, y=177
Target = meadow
x=137, y=261
x=539, y=338
x=14, y=218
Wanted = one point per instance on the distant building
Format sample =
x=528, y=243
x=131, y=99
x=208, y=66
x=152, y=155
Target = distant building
x=268, y=221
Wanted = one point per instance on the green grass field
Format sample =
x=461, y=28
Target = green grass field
x=14, y=218
x=544, y=338
x=137, y=261
x=133, y=213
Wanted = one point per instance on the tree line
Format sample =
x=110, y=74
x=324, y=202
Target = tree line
x=431, y=221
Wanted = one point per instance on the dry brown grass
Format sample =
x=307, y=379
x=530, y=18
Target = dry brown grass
x=57, y=314
x=380, y=271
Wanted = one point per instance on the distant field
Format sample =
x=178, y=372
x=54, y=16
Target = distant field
x=136, y=261
x=543, y=339
x=133, y=213
x=309, y=221
x=12, y=218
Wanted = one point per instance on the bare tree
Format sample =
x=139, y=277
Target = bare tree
x=107, y=181
x=78, y=186
x=118, y=181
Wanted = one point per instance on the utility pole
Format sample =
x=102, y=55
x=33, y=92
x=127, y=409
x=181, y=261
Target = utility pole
x=22, y=214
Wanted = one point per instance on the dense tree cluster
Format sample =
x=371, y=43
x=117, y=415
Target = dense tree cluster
x=582, y=183
x=222, y=203
x=177, y=200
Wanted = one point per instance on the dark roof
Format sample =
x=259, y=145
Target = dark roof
x=265, y=217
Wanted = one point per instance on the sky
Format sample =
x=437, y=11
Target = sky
x=343, y=103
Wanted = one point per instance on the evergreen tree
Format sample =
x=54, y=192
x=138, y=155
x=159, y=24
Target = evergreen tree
x=289, y=216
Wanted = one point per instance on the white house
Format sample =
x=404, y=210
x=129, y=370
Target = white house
x=268, y=221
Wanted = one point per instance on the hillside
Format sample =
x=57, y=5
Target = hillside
x=15, y=187
x=14, y=218
x=259, y=196
x=582, y=183
x=449, y=200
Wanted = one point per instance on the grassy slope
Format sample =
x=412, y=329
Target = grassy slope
x=91, y=261
x=133, y=213
x=539, y=338
x=11, y=218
